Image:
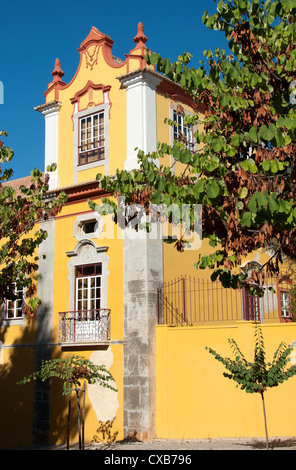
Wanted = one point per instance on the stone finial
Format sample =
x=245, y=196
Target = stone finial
x=57, y=73
x=140, y=37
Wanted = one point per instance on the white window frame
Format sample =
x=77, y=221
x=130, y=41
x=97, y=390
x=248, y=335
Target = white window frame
x=77, y=116
x=88, y=289
x=285, y=303
x=87, y=252
x=15, y=308
x=173, y=110
x=185, y=129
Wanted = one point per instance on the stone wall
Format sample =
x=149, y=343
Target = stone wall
x=143, y=271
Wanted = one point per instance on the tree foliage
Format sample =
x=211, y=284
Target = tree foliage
x=242, y=168
x=71, y=371
x=257, y=376
x=20, y=212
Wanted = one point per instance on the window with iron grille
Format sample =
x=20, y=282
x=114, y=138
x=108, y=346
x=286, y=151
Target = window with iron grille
x=91, y=138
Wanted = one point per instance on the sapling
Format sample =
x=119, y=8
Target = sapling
x=72, y=371
x=257, y=376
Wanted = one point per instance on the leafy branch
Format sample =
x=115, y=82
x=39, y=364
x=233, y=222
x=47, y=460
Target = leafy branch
x=71, y=371
x=245, y=140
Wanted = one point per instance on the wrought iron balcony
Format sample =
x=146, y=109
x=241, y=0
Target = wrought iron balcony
x=84, y=326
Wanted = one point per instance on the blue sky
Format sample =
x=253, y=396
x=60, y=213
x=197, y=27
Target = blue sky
x=34, y=33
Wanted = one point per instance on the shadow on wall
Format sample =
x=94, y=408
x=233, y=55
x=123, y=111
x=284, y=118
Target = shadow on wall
x=26, y=415
x=36, y=413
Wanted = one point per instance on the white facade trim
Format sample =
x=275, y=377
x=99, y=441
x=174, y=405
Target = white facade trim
x=51, y=115
x=87, y=252
x=141, y=115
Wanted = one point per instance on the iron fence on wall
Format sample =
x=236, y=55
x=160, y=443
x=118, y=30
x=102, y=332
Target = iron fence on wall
x=189, y=301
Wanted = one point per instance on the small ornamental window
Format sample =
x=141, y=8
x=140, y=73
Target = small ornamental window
x=89, y=226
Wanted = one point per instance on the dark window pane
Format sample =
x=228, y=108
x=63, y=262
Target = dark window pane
x=89, y=270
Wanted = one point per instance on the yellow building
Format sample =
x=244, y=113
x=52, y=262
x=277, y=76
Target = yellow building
x=104, y=291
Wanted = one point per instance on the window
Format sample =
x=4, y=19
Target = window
x=251, y=306
x=14, y=308
x=89, y=227
x=88, y=318
x=285, y=298
x=181, y=130
x=88, y=288
x=285, y=304
x=91, y=138
x=251, y=303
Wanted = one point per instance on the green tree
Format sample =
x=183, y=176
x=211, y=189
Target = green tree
x=242, y=171
x=19, y=240
x=72, y=371
x=257, y=376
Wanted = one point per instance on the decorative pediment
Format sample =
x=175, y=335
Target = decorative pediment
x=91, y=95
x=89, y=88
x=94, y=37
x=89, y=48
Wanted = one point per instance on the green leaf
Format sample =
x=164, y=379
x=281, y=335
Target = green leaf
x=274, y=166
x=156, y=198
x=167, y=199
x=235, y=140
x=198, y=187
x=170, y=188
x=253, y=204
x=246, y=219
x=185, y=156
x=154, y=58
x=212, y=189
x=161, y=185
x=266, y=165
x=213, y=164
x=253, y=134
x=262, y=200
x=279, y=138
x=273, y=204
x=217, y=144
x=253, y=79
x=224, y=99
x=267, y=133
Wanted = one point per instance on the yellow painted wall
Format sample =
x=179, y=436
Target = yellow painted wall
x=64, y=242
x=16, y=400
x=95, y=429
x=16, y=361
x=195, y=400
x=102, y=73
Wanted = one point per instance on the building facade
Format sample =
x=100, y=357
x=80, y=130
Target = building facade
x=103, y=291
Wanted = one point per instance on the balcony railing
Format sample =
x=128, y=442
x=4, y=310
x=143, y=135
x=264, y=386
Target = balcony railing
x=84, y=326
